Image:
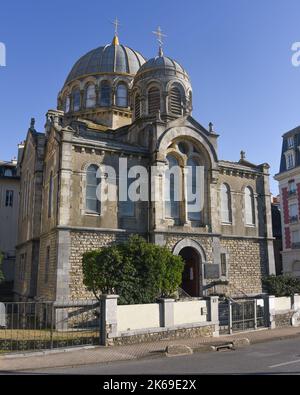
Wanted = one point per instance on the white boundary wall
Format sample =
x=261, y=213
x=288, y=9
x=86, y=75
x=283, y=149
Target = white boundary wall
x=139, y=316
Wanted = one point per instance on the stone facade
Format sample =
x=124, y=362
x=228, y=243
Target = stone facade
x=231, y=243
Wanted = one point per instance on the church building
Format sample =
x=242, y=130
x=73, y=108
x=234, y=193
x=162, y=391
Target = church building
x=116, y=104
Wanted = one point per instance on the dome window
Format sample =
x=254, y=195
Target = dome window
x=175, y=101
x=105, y=92
x=122, y=96
x=90, y=96
x=67, y=104
x=153, y=101
x=76, y=100
x=137, y=106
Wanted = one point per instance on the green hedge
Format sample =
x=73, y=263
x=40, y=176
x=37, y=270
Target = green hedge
x=284, y=285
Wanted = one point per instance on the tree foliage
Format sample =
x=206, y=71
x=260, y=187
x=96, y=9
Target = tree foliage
x=284, y=285
x=139, y=272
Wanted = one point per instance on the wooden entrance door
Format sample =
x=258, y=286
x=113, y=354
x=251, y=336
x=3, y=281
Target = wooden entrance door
x=191, y=274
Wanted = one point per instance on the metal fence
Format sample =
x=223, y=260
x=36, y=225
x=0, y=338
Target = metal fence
x=241, y=315
x=32, y=326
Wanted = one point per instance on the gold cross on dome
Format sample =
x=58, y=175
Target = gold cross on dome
x=159, y=34
x=116, y=23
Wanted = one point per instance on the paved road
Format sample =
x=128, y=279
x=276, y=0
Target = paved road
x=276, y=357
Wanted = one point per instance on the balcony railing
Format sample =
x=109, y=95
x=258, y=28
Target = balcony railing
x=296, y=246
x=293, y=219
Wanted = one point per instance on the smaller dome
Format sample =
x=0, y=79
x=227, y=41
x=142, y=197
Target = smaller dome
x=164, y=64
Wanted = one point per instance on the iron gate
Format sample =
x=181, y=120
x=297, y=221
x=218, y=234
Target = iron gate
x=241, y=315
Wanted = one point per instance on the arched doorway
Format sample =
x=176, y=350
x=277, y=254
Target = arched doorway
x=191, y=274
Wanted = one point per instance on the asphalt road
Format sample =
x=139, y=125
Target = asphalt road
x=276, y=357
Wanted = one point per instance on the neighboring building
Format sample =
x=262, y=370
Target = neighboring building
x=116, y=105
x=9, y=210
x=289, y=186
x=277, y=234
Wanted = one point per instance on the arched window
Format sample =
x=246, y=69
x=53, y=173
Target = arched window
x=175, y=101
x=105, y=94
x=171, y=201
x=67, y=104
x=226, y=216
x=194, y=213
x=90, y=100
x=137, y=106
x=92, y=182
x=50, y=196
x=76, y=99
x=249, y=206
x=153, y=101
x=122, y=96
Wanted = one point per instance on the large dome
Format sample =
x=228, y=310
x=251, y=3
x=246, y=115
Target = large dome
x=113, y=58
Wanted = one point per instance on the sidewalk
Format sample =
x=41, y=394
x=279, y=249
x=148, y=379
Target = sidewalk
x=94, y=355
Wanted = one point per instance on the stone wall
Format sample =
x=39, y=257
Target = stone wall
x=283, y=319
x=168, y=334
x=248, y=262
x=81, y=242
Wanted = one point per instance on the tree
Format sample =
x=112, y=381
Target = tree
x=284, y=285
x=1, y=271
x=139, y=272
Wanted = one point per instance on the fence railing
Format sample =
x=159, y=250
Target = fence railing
x=26, y=326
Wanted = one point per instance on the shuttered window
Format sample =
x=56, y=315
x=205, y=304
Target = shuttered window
x=105, y=94
x=153, y=101
x=249, y=207
x=225, y=204
x=175, y=101
x=90, y=96
x=92, y=182
x=122, y=96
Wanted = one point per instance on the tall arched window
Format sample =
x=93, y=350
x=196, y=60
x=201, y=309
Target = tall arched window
x=137, y=106
x=194, y=213
x=249, y=206
x=153, y=101
x=76, y=99
x=226, y=216
x=105, y=94
x=127, y=207
x=92, y=182
x=50, y=196
x=122, y=96
x=90, y=100
x=67, y=104
x=172, y=207
x=175, y=101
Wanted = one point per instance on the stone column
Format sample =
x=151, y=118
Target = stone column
x=108, y=319
x=167, y=306
x=213, y=303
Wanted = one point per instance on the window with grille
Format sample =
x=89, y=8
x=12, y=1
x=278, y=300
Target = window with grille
x=137, y=106
x=192, y=178
x=122, y=96
x=92, y=182
x=223, y=265
x=76, y=100
x=47, y=264
x=105, y=94
x=175, y=101
x=90, y=96
x=249, y=207
x=172, y=203
x=50, y=196
x=153, y=101
x=225, y=204
x=9, y=198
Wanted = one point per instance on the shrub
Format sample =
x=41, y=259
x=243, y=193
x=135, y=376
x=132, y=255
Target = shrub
x=139, y=272
x=284, y=285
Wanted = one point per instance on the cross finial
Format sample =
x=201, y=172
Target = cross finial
x=116, y=23
x=243, y=155
x=159, y=34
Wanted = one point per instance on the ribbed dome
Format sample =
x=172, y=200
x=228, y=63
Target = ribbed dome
x=162, y=63
x=112, y=58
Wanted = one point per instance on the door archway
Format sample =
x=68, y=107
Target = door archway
x=191, y=273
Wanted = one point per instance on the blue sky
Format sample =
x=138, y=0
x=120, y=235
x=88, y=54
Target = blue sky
x=237, y=52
